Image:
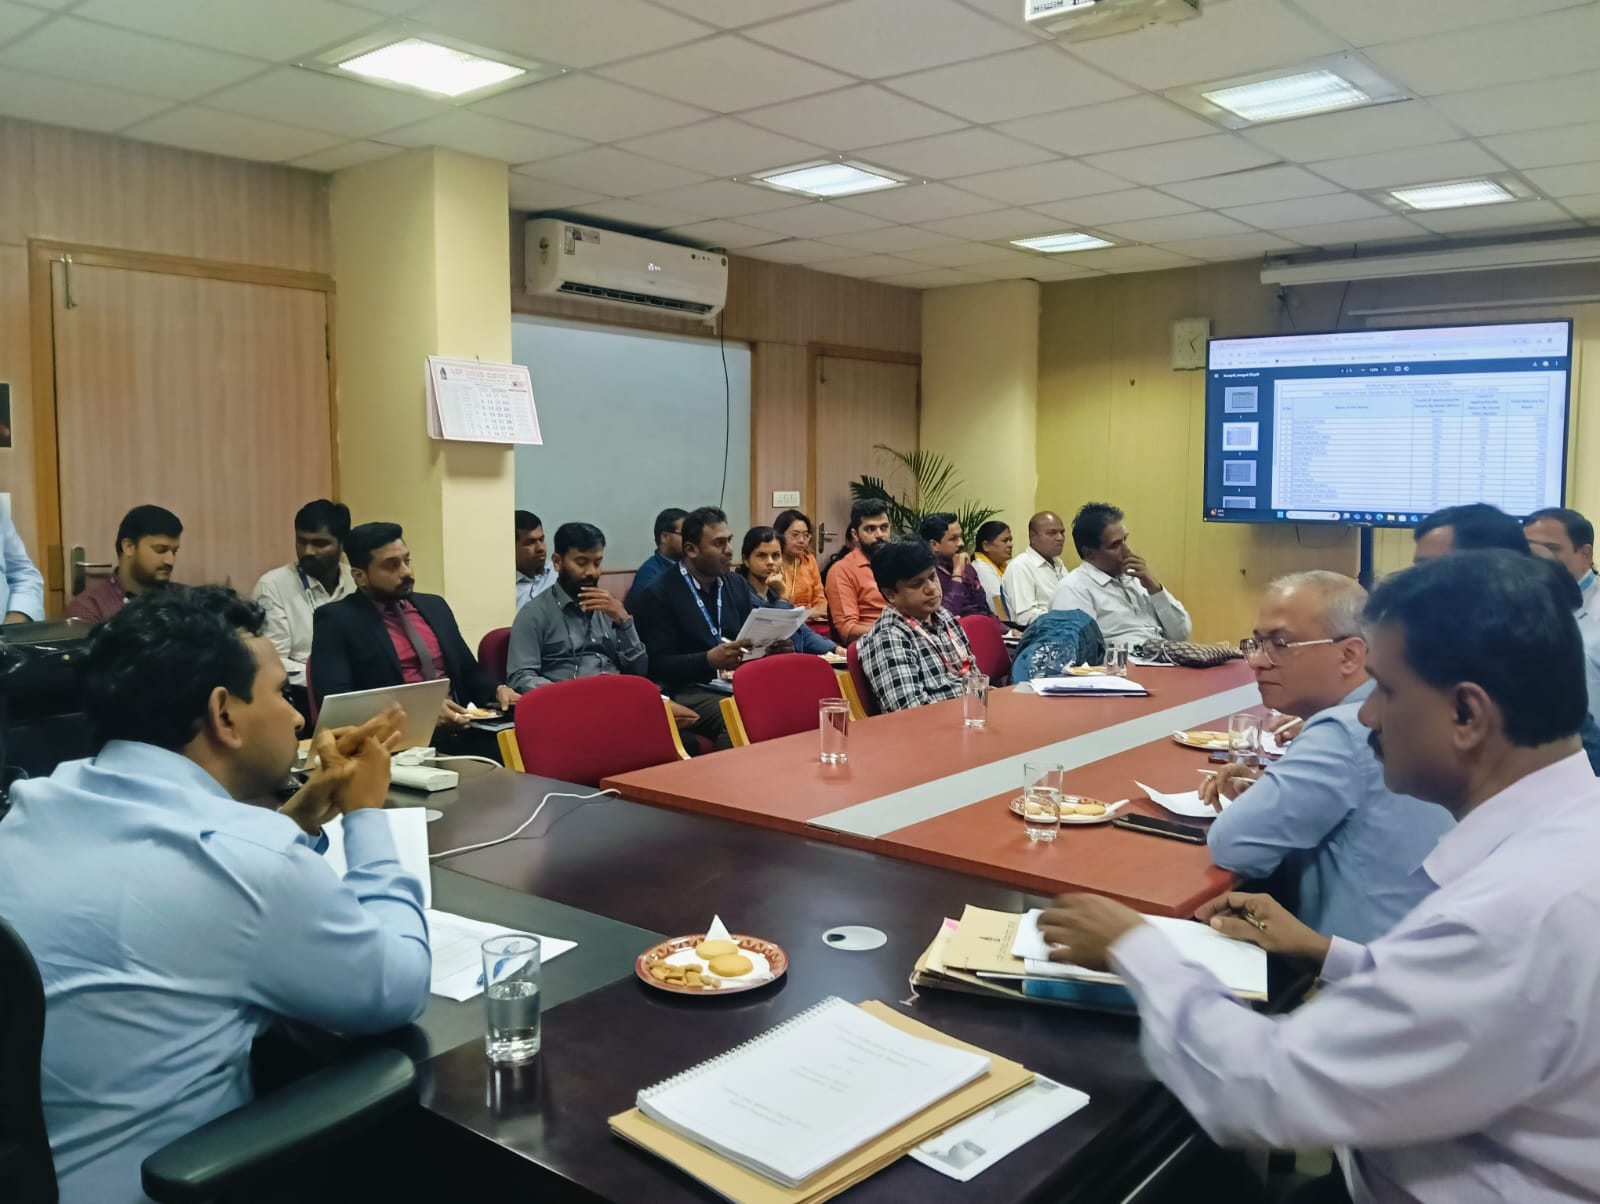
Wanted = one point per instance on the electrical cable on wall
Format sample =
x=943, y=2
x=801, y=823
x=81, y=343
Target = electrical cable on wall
x=727, y=412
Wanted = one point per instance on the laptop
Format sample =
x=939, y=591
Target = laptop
x=421, y=701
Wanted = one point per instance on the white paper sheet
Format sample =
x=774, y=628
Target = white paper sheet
x=965, y=1150
x=1242, y=967
x=408, y=826
x=1186, y=802
x=1087, y=685
x=769, y=624
x=457, y=958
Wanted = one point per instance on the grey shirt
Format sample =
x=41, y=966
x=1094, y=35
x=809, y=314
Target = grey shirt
x=553, y=640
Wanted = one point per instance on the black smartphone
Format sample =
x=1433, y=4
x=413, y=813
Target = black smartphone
x=1220, y=758
x=1170, y=828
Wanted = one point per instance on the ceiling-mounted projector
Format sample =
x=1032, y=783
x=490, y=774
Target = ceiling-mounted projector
x=1080, y=20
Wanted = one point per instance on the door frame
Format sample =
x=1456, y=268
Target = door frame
x=815, y=354
x=43, y=255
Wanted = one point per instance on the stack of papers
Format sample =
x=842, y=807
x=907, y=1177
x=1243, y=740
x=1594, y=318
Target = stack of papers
x=769, y=624
x=1057, y=686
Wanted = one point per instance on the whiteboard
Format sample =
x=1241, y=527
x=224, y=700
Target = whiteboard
x=633, y=422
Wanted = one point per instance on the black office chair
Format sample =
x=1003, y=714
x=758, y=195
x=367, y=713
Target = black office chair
x=271, y=1135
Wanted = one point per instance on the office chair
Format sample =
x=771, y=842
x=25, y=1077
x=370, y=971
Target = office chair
x=778, y=695
x=494, y=651
x=986, y=638
x=867, y=696
x=591, y=728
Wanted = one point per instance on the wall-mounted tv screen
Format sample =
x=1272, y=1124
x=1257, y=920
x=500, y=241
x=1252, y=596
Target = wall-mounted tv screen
x=1379, y=427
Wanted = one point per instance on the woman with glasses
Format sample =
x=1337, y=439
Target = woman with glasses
x=802, y=577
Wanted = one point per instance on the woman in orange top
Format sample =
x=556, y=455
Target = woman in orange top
x=801, y=577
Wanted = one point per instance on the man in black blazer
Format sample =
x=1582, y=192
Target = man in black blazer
x=385, y=634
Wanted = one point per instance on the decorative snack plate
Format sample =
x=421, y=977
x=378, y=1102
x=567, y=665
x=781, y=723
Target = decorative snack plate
x=768, y=962
x=1069, y=816
x=1210, y=741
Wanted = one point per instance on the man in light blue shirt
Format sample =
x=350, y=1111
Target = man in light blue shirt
x=1455, y=1060
x=1322, y=813
x=534, y=572
x=21, y=586
x=171, y=921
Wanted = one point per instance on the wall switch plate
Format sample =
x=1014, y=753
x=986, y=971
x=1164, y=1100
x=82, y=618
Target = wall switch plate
x=785, y=497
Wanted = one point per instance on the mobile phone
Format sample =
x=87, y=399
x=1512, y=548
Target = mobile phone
x=1220, y=758
x=1170, y=828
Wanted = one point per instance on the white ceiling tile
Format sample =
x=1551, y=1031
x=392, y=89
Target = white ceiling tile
x=1278, y=183
x=875, y=38
x=1513, y=215
x=1307, y=211
x=1524, y=48
x=1128, y=206
x=614, y=172
x=52, y=5
x=724, y=198
x=573, y=35
x=893, y=240
x=724, y=147
x=587, y=106
x=1001, y=225
x=636, y=213
x=1062, y=268
x=870, y=265
x=1548, y=148
x=1227, y=39
x=1115, y=125
x=1358, y=132
x=1055, y=181
x=62, y=102
x=798, y=250
x=1367, y=22
x=865, y=115
x=1362, y=230
x=1229, y=246
x=282, y=29
x=1179, y=226
x=1040, y=79
x=533, y=195
x=14, y=18
x=1130, y=259
x=726, y=74
x=1586, y=207
x=230, y=134
x=1415, y=165
x=931, y=278
x=956, y=154
x=1575, y=179
x=387, y=6
x=118, y=58
x=730, y=236
x=959, y=256
x=1527, y=106
x=917, y=203
x=348, y=154
x=1010, y=269
x=732, y=13
x=819, y=219
x=1191, y=160
x=487, y=136
x=323, y=102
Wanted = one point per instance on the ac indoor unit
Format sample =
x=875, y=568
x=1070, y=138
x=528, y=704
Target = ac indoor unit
x=565, y=259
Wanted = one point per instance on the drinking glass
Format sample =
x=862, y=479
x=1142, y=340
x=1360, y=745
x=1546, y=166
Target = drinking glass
x=975, y=700
x=511, y=997
x=1041, y=800
x=833, y=715
x=1117, y=658
x=1244, y=739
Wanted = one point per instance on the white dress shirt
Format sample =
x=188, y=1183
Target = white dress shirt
x=1029, y=582
x=289, y=597
x=529, y=588
x=21, y=586
x=1122, y=606
x=1589, y=586
x=1455, y=1060
x=989, y=577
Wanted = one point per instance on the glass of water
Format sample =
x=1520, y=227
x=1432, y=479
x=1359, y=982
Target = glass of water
x=975, y=700
x=833, y=716
x=511, y=998
x=1117, y=658
x=1041, y=800
x=1244, y=739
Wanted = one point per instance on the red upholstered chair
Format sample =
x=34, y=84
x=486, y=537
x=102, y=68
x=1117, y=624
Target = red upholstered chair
x=865, y=694
x=987, y=639
x=594, y=727
x=778, y=695
x=493, y=651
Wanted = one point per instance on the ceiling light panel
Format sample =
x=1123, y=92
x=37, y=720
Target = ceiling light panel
x=1456, y=195
x=1335, y=84
x=830, y=179
x=1056, y=244
x=431, y=67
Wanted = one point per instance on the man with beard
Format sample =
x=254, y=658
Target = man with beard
x=385, y=634
x=289, y=594
x=147, y=550
x=853, y=597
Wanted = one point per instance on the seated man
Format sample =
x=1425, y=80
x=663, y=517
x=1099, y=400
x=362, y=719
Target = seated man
x=1322, y=811
x=171, y=916
x=1454, y=1060
x=534, y=574
x=958, y=577
x=1566, y=536
x=1032, y=578
x=853, y=598
x=21, y=584
x=916, y=653
x=147, y=550
x=669, y=551
x=386, y=634
x=689, y=619
x=290, y=593
x=576, y=629
x=1114, y=585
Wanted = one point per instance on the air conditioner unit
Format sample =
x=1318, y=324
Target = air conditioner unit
x=565, y=259
x=1080, y=20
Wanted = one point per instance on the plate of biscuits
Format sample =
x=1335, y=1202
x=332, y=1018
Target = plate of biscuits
x=704, y=964
x=1076, y=809
x=1210, y=741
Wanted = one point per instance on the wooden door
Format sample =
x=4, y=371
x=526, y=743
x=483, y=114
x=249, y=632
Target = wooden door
x=859, y=403
x=207, y=396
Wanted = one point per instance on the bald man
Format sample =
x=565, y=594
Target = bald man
x=1322, y=813
x=1032, y=577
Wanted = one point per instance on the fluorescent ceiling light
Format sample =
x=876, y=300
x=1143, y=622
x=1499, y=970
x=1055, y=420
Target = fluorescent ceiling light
x=430, y=67
x=1452, y=196
x=1288, y=96
x=1055, y=244
x=829, y=178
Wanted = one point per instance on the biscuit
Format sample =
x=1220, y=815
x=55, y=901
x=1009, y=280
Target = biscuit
x=731, y=965
x=1089, y=809
x=709, y=949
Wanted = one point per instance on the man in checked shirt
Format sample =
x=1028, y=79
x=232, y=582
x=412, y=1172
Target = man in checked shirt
x=916, y=653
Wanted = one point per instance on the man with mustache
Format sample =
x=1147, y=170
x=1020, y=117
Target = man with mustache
x=291, y=593
x=853, y=597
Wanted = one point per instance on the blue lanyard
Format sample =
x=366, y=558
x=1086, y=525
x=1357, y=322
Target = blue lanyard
x=716, y=628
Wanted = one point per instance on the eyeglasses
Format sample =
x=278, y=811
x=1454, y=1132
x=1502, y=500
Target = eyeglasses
x=1273, y=650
